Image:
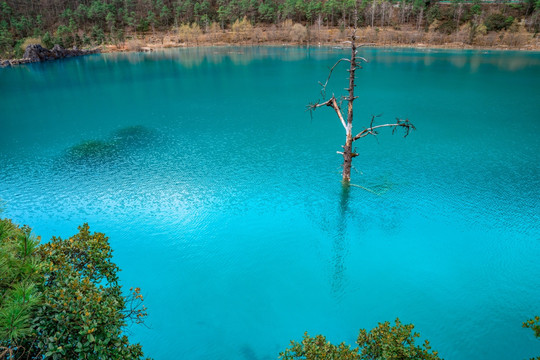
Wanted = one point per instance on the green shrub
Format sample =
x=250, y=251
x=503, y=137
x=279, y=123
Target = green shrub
x=476, y=8
x=86, y=40
x=19, y=282
x=97, y=35
x=83, y=309
x=534, y=325
x=433, y=13
x=18, y=51
x=447, y=27
x=394, y=342
x=143, y=26
x=63, y=299
x=47, y=40
x=498, y=22
x=383, y=342
x=6, y=39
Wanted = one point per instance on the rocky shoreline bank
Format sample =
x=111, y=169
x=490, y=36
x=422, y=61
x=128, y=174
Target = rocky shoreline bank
x=37, y=53
x=331, y=37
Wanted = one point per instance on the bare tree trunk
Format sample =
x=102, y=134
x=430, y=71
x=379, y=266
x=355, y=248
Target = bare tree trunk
x=459, y=12
x=347, y=149
x=372, y=13
x=383, y=10
x=348, y=153
x=319, y=22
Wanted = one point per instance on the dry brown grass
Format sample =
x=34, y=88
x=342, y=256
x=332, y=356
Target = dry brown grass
x=134, y=44
x=298, y=33
x=290, y=33
x=189, y=34
x=30, y=41
x=241, y=30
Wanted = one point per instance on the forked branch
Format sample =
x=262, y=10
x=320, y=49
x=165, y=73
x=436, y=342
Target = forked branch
x=332, y=102
x=406, y=125
x=323, y=86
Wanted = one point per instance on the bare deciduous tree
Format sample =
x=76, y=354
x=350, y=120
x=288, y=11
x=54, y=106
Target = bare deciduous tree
x=348, y=154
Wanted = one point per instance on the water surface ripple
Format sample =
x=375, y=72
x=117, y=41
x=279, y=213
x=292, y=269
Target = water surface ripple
x=222, y=200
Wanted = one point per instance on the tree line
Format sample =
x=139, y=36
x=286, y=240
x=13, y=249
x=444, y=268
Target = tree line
x=94, y=22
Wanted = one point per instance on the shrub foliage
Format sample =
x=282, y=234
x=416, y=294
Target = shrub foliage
x=383, y=342
x=63, y=299
x=534, y=325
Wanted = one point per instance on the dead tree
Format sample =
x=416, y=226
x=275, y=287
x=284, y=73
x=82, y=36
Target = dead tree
x=348, y=153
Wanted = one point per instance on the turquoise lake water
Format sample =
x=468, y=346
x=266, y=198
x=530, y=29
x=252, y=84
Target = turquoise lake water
x=222, y=197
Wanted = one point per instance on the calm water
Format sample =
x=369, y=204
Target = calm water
x=222, y=197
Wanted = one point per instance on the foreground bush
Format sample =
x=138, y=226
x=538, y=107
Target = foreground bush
x=20, y=280
x=383, y=342
x=534, y=325
x=63, y=300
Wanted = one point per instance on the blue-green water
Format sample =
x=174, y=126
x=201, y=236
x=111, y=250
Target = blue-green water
x=222, y=197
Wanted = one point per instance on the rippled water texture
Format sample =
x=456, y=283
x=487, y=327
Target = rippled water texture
x=222, y=197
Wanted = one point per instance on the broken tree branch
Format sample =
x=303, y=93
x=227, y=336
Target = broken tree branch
x=323, y=86
x=332, y=102
x=404, y=124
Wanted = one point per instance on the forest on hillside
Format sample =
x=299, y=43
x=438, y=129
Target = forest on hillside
x=95, y=22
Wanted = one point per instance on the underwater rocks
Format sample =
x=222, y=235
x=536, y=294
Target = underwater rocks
x=37, y=53
x=92, y=151
x=122, y=144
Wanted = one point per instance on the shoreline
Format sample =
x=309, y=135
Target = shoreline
x=112, y=49
x=383, y=38
x=409, y=37
x=152, y=47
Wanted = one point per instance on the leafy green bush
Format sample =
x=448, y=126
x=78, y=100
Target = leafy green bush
x=19, y=281
x=315, y=348
x=393, y=343
x=534, y=325
x=84, y=311
x=143, y=26
x=447, y=27
x=86, y=40
x=47, y=40
x=18, y=51
x=383, y=342
x=476, y=8
x=433, y=13
x=498, y=22
x=98, y=36
x=63, y=299
x=6, y=39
